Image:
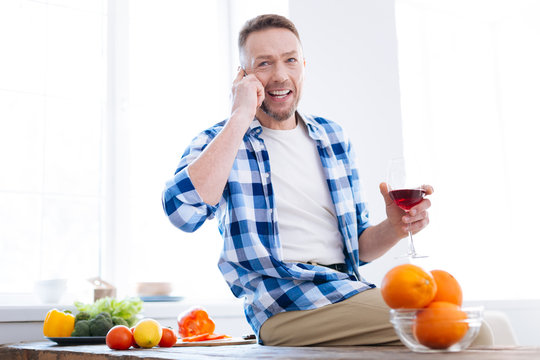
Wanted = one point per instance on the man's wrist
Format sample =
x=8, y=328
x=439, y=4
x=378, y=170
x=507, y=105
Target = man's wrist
x=240, y=120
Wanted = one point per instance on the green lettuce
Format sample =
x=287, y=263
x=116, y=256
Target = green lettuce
x=127, y=309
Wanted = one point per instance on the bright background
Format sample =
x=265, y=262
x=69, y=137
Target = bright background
x=98, y=100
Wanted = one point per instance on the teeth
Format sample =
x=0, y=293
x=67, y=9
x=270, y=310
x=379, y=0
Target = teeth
x=279, y=92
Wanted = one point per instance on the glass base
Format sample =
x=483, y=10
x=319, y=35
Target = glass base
x=412, y=256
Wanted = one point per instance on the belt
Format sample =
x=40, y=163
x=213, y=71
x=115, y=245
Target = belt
x=338, y=267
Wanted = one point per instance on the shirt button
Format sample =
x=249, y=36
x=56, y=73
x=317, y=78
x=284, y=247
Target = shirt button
x=267, y=175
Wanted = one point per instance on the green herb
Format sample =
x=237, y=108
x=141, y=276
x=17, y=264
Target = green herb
x=127, y=309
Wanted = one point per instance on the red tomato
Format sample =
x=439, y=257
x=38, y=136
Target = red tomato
x=195, y=322
x=119, y=338
x=134, y=344
x=168, y=338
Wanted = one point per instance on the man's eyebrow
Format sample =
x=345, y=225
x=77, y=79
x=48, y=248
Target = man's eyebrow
x=263, y=57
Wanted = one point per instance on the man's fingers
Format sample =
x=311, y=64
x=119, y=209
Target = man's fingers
x=421, y=207
x=239, y=75
x=383, y=187
x=247, y=93
x=260, y=94
x=416, y=226
x=415, y=215
x=428, y=189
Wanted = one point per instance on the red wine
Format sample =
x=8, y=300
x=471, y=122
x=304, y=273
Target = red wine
x=407, y=198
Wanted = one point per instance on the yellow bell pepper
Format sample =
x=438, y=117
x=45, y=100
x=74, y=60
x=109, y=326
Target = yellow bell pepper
x=58, y=324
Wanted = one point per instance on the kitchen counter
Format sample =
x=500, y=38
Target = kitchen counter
x=43, y=350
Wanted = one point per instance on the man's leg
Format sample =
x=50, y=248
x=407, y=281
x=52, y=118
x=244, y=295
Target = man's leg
x=363, y=319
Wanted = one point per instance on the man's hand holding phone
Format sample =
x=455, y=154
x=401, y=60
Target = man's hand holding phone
x=247, y=96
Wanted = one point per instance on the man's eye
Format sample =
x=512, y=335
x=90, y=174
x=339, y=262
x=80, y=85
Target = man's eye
x=292, y=60
x=263, y=64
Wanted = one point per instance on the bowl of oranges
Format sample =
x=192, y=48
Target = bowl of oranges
x=426, y=309
x=438, y=327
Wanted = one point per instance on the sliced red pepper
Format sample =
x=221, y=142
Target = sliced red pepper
x=205, y=337
x=195, y=322
x=200, y=337
x=217, y=336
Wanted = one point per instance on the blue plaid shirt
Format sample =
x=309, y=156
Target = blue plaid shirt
x=251, y=260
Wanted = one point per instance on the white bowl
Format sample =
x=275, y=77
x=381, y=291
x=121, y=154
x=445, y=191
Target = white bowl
x=50, y=291
x=154, y=288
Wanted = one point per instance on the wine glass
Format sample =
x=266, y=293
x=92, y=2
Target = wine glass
x=406, y=192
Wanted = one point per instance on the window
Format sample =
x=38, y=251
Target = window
x=98, y=100
x=469, y=82
x=52, y=102
x=182, y=60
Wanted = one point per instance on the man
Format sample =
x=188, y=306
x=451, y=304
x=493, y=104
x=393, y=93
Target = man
x=286, y=193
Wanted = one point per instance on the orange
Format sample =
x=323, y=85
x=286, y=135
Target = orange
x=440, y=325
x=408, y=286
x=448, y=288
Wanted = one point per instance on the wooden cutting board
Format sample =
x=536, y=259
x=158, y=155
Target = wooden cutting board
x=220, y=342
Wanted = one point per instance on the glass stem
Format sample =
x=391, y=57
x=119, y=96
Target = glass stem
x=412, y=251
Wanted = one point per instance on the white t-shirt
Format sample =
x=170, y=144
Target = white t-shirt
x=308, y=227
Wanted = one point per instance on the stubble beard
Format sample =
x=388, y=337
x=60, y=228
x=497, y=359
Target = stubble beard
x=283, y=115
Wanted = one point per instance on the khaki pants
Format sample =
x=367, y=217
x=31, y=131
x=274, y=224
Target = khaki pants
x=363, y=319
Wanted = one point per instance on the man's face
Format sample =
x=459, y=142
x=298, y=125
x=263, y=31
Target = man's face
x=275, y=57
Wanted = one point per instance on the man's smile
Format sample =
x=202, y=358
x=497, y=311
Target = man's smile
x=278, y=95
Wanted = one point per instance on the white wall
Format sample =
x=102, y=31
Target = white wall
x=352, y=78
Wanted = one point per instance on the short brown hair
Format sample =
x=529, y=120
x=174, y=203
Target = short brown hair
x=263, y=22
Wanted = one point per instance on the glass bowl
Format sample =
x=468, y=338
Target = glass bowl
x=421, y=331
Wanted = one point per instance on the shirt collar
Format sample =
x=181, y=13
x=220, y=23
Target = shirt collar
x=314, y=129
x=255, y=127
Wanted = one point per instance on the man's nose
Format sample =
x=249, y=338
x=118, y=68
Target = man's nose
x=279, y=73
